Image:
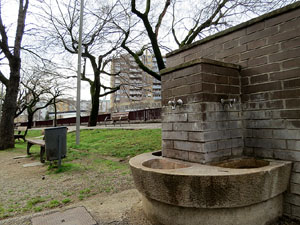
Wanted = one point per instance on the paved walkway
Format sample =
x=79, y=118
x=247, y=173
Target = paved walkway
x=125, y=126
x=123, y=208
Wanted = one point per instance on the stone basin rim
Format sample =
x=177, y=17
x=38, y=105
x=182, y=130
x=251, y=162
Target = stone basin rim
x=197, y=169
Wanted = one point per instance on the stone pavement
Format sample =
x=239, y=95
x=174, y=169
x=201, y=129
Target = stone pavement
x=123, y=208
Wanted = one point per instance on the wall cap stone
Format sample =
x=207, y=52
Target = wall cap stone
x=199, y=61
x=266, y=16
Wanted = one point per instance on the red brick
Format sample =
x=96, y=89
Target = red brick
x=259, y=35
x=292, y=103
x=245, y=80
x=193, y=79
x=234, y=81
x=211, y=88
x=290, y=25
x=262, y=87
x=223, y=89
x=282, y=18
x=291, y=43
x=260, y=52
x=187, y=71
x=230, y=52
x=291, y=63
x=210, y=78
x=226, y=89
x=195, y=98
x=256, y=44
x=291, y=53
x=258, y=61
x=177, y=82
x=231, y=44
x=207, y=97
x=259, y=79
x=275, y=104
x=166, y=77
x=232, y=58
x=290, y=114
x=255, y=28
x=285, y=94
x=292, y=83
x=183, y=90
x=227, y=71
x=259, y=97
x=285, y=74
x=261, y=69
x=283, y=36
x=196, y=88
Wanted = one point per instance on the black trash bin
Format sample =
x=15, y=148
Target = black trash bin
x=56, y=143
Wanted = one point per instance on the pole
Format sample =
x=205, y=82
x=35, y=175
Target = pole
x=79, y=75
x=1, y=101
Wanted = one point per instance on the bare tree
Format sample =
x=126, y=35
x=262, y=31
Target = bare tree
x=13, y=56
x=101, y=40
x=186, y=21
x=38, y=92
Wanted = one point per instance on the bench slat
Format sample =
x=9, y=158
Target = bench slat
x=36, y=142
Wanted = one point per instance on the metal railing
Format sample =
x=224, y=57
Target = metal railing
x=139, y=115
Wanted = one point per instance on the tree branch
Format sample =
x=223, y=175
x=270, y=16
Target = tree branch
x=137, y=59
x=3, y=79
x=161, y=16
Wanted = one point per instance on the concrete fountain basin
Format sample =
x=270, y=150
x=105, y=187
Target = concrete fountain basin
x=200, y=194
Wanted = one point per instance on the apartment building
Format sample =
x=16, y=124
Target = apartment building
x=139, y=90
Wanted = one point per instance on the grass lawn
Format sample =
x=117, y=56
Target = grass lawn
x=98, y=165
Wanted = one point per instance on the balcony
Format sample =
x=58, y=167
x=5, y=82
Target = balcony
x=156, y=87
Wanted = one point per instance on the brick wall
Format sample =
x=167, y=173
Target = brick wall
x=202, y=130
x=268, y=51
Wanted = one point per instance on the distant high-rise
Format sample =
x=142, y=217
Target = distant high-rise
x=139, y=90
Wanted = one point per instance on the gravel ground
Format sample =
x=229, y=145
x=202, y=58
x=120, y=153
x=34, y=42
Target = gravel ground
x=33, y=189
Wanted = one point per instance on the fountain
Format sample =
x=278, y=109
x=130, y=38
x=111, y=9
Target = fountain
x=230, y=120
x=201, y=175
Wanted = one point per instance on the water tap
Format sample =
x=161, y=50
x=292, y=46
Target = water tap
x=174, y=103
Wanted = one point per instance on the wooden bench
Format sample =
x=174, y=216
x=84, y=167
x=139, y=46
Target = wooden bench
x=39, y=142
x=120, y=116
x=22, y=132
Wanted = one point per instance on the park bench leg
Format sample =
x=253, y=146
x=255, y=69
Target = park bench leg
x=42, y=152
x=28, y=148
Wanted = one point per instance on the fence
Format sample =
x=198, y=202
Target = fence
x=139, y=115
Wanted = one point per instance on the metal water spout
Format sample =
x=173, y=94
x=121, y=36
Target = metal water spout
x=174, y=103
x=229, y=101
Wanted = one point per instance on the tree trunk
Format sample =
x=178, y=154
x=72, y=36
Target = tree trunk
x=9, y=109
x=95, y=92
x=55, y=114
x=30, y=120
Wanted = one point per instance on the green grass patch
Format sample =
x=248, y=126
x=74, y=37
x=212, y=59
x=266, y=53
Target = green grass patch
x=65, y=167
x=30, y=134
x=66, y=201
x=34, y=201
x=53, y=204
x=116, y=143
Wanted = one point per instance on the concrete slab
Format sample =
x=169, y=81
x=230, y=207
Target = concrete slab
x=74, y=216
x=33, y=164
x=20, y=157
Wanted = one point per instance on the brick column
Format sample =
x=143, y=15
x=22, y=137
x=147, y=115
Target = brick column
x=202, y=129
